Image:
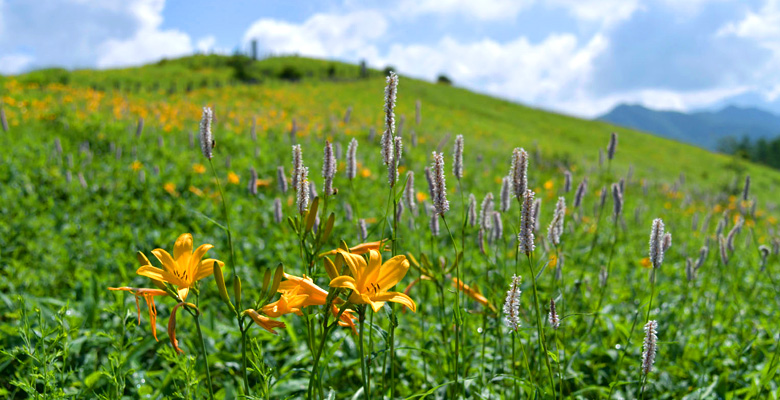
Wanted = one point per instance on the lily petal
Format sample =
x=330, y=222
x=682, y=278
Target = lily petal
x=264, y=322
x=167, y=261
x=195, y=261
x=392, y=272
x=355, y=263
x=371, y=273
x=182, y=249
x=344, y=282
x=206, y=268
x=396, y=297
x=159, y=275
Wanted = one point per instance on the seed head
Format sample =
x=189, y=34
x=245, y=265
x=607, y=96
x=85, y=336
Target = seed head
x=303, y=190
x=206, y=138
x=351, y=160
x=472, y=211
x=519, y=172
x=439, y=186
x=281, y=178
x=506, y=189
x=525, y=238
x=328, y=168
x=389, y=133
x=552, y=317
x=617, y=198
x=252, y=184
x=649, y=346
x=612, y=146
x=485, y=212
x=409, y=196
x=656, y=243
x=278, y=210
x=457, y=157
x=555, y=230
x=512, y=304
x=297, y=164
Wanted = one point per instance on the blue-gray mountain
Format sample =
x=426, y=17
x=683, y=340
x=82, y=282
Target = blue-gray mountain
x=704, y=128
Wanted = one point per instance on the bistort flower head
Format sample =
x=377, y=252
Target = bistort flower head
x=512, y=304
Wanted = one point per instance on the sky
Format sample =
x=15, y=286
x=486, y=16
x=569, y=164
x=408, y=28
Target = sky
x=578, y=57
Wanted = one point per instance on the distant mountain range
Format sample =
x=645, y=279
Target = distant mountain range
x=704, y=128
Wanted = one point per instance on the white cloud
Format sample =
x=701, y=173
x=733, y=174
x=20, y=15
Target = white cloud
x=482, y=10
x=206, y=44
x=81, y=33
x=14, y=63
x=763, y=26
x=322, y=35
x=606, y=12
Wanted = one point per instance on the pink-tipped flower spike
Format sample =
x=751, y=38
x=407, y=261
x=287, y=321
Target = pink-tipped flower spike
x=617, y=198
x=512, y=305
x=649, y=347
x=566, y=181
x=580, y=194
x=439, y=185
x=555, y=230
x=656, y=243
x=303, y=190
x=552, y=317
x=506, y=189
x=409, y=194
x=612, y=146
x=389, y=132
x=328, y=168
x=206, y=137
x=297, y=164
x=281, y=178
x=278, y=210
x=351, y=159
x=746, y=189
x=519, y=172
x=472, y=211
x=525, y=238
x=457, y=158
x=498, y=227
x=486, y=211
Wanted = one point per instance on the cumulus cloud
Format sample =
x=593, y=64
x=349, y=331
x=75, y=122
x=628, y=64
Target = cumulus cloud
x=483, y=10
x=322, y=35
x=14, y=63
x=605, y=12
x=77, y=33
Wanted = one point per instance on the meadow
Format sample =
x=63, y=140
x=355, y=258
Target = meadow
x=102, y=165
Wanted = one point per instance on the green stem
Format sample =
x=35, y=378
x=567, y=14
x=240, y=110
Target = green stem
x=204, y=354
x=457, y=305
x=363, y=364
x=540, y=331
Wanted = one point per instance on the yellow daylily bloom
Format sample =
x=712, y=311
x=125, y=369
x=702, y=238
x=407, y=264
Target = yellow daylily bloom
x=370, y=281
x=291, y=302
x=361, y=248
x=148, y=295
x=314, y=296
x=263, y=321
x=184, y=268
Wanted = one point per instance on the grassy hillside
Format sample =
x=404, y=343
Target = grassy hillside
x=98, y=165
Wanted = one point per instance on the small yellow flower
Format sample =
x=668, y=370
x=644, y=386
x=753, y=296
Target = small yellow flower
x=170, y=188
x=370, y=281
x=553, y=261
x=365, y=172
x=198, y=168
x=196, y=191
x=136, y=165
x=233, y=178
x=548, y=185
x=422, y=196
x=645, y=262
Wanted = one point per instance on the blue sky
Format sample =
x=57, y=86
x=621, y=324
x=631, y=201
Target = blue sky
x=579, y=57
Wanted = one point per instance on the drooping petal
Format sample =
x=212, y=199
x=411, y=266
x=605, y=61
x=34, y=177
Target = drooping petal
x=396, y=297
x=371, y=273
x=159, y=275
x=137, y=305
x=392, y=272
x=172, y=328
x=264, y=322
x=344, y=282
x=183, y=292
x=182, y=249
x=376, y=305
x=304, y=285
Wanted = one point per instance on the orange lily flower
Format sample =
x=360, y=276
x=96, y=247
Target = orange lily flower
x=148, y=295
x=264, y=322
x=474, y=294
x=314, y=296
x=184, y=268
x=360, y=249
x=370, y=281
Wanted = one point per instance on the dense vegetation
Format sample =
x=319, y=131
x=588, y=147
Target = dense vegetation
x=101, y=165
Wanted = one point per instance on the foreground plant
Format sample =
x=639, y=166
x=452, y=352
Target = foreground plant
x=179, y=275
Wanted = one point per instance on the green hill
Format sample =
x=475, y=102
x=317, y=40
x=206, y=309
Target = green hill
x=98, y=165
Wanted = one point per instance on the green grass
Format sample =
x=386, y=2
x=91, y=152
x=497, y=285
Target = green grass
x=62, y=243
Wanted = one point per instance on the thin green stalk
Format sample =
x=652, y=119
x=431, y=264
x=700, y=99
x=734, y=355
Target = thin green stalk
x=539, y=329
x=363, y=364
x=235, y=275
x=204, y=354
x=457, y=306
